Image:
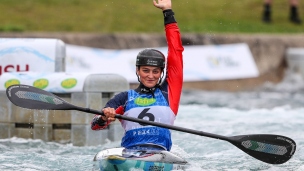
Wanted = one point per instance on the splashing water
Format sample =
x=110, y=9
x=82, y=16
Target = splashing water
x=271, y=109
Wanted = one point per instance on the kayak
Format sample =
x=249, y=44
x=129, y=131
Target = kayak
x=121, y=159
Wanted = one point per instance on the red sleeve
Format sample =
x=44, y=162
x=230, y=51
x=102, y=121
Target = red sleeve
x=174, y=65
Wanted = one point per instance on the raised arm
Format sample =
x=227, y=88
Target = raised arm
x=174, y=75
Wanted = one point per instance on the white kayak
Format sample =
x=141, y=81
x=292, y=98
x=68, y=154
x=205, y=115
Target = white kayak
x=121, y=159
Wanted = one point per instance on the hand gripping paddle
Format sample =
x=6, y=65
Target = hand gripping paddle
x=273, y=149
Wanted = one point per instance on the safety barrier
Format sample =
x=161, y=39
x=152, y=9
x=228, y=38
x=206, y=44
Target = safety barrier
x=64, y=126
x=41, y=63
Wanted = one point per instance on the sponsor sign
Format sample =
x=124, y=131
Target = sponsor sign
x=20, y=55
x=201, y=63
x=32, y=62
x=220, y=62
x=57, y=82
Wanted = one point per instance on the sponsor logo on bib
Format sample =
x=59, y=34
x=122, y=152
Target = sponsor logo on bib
x=144, y=101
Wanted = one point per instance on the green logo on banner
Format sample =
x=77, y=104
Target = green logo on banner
x=144, y=101
x=11, y=82
x=41, y=83
x=69, y=83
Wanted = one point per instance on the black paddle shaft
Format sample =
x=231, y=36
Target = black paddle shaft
x=273, y=149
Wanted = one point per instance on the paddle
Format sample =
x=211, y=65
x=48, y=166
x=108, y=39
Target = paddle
x=273, y=149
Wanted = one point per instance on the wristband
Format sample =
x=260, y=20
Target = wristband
x=168, y=12
x=169, y=16
x=100, y=121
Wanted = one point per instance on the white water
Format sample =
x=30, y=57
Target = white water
x=271, y=109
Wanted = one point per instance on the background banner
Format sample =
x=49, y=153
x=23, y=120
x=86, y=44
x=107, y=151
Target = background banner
x=28, y=54
x=57, y=82
x=201, y=63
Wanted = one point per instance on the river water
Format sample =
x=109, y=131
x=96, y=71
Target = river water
x=269, y=109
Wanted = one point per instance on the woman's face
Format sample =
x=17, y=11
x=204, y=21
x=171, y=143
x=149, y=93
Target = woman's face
x=149, y=75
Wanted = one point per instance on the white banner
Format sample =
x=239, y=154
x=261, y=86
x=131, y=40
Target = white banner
x=32, y=62
x=220, y=62
x=93, y=60
x=56, y=82
x=18, y=55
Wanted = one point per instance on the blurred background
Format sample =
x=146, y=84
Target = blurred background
x=269, y=101
x=108, y=16
x=112, y=24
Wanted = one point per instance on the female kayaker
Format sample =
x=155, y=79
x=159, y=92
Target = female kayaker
x=156, y=99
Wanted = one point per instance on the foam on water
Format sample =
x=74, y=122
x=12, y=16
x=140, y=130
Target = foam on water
x=203, y=153
x=209, y=154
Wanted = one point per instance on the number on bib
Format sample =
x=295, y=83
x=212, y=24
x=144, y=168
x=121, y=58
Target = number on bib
x=145, y=114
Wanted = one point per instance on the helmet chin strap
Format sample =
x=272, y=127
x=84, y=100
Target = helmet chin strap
x=161, y=78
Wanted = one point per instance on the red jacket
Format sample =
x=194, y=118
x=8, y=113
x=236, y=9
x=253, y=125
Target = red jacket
x=171, y=86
